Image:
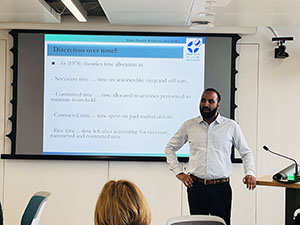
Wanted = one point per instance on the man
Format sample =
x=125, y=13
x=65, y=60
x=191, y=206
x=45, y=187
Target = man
x=210, y=138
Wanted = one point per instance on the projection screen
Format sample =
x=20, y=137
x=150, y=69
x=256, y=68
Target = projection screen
x=113, y=95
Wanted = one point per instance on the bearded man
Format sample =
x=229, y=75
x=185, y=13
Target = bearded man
x=210, y=137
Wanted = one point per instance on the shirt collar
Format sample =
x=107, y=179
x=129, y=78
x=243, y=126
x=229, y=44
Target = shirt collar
x=219, y=119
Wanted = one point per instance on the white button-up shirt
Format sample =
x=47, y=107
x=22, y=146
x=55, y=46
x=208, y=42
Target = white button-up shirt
x=210, y=148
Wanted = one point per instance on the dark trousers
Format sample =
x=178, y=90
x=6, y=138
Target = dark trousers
x=214, y=199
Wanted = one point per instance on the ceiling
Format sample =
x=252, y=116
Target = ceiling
x=240, y=13
x=92, y=7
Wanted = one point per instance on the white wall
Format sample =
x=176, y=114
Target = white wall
x=267, y=99
x=277, y=124
x=277, y=121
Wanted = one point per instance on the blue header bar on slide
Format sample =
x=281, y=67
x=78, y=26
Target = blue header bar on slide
x=116, y=39
x=140, y=51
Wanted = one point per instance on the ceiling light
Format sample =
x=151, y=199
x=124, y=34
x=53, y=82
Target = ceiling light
x=201, y=25
x=76, y=9
x=202, y=21
x=206, y=13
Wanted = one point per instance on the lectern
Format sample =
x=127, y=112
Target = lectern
x=292, y=195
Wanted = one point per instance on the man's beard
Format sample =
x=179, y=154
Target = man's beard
x=209, y=114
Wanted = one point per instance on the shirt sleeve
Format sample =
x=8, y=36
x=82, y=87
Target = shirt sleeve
x=174, y=144
x=246, y=154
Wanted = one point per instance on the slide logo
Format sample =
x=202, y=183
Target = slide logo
x=194, y=46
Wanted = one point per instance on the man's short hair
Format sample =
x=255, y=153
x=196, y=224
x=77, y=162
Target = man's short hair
x=214, y=90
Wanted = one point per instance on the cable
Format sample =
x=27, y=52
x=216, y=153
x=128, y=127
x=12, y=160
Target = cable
x=273, y=31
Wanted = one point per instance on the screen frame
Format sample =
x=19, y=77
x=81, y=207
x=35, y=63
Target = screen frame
x=13, y=118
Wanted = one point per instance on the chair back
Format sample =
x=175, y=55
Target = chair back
x=35, y=206
x=196, y=220
x=296, y=217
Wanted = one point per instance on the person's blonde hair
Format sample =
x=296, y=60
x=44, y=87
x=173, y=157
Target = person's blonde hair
x=121, y=203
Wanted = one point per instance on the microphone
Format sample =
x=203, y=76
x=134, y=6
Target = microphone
x=296, y=164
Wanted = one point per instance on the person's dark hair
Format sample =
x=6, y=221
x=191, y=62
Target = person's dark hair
x=214, y=90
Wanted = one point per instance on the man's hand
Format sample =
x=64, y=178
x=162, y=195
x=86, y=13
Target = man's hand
x=185, y=179
x=250, y=182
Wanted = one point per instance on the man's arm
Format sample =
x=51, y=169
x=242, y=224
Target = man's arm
x=250, y=182
x=247, y=158
x=185, y=179
x=174, y=144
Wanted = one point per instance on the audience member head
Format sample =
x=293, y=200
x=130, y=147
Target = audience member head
x=122, y=203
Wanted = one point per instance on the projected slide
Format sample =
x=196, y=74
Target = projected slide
x=119, y=95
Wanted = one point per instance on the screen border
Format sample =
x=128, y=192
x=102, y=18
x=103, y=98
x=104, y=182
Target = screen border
x=13, y=118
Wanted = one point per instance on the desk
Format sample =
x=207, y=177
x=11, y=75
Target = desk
x=292, y=195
